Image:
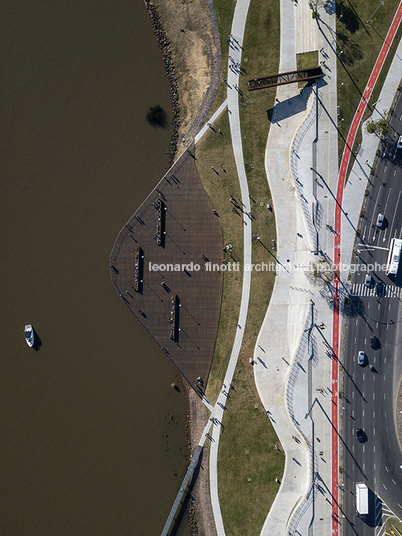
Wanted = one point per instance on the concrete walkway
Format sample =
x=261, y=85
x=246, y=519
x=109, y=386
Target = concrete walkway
x=359, y=176
x=236, y=41
x=302, y=164
x=293, y=372
x=295, y=337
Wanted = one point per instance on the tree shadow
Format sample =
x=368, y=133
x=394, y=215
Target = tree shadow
x=348, y=16
x=352, y=52
x=156, y=116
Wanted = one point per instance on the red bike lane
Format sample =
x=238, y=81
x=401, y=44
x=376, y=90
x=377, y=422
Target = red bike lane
x=337, y=253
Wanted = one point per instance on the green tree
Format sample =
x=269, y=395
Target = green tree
x=380, y=127
x=320, y=273
x=315, y=5
x=155, y=115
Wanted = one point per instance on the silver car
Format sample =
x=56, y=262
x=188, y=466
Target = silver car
x=380, y=220
x=361, y=358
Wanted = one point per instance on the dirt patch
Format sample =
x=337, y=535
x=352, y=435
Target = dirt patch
x=189, y=35
x=190, y=29
x=202, y=503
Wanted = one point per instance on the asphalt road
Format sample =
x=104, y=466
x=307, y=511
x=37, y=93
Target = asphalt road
x=369, y=395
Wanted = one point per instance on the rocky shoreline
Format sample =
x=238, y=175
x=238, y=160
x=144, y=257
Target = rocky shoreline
x=198, y=505
x=166, y=48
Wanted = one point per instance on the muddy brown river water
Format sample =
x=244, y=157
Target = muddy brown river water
x=92, y=434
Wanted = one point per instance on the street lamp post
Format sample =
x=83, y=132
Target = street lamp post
x=381, y=4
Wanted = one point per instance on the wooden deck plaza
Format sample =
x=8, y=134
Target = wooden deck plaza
x=179, y=309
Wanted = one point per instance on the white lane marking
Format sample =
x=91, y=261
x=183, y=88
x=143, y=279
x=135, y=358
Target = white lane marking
x=395, y=211
x=386, y=468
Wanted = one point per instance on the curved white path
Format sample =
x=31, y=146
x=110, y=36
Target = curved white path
x=238, y=25
x=290, y=304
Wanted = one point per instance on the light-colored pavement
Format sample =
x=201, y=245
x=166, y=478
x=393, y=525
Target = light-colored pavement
x=301, y=163
x=309, y=389
x=236, y=41
x=359, y=176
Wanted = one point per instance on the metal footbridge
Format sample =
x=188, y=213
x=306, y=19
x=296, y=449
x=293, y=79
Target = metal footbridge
x=302, y=75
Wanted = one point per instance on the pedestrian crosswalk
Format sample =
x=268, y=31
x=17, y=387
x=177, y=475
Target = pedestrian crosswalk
x=388, y=291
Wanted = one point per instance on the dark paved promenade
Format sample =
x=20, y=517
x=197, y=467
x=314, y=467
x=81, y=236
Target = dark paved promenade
x=186, y=229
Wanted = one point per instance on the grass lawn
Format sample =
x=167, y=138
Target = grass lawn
x=248, y=462
x=216, y=150
x=360, y=42
x=394, y=527
x=307, y=60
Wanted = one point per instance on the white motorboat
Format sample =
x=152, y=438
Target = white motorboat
x=29, y=335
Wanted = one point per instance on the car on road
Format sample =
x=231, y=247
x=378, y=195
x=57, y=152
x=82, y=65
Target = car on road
x=380, y=221
x=379, y=288
x=374, y=342
x=361, y=358
x=360, y=435
x=368, y=280
x=399, y=144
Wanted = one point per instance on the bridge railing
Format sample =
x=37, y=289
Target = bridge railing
x=182, y=492
x=294, y=371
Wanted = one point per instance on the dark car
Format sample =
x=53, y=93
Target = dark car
x=379, y=287
x=360, y=435
x=374, y=342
